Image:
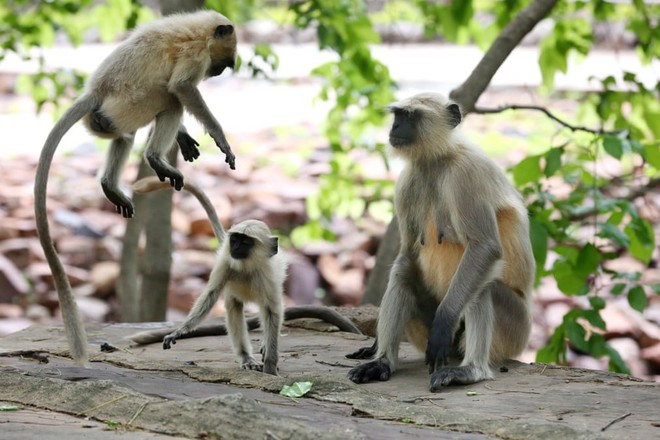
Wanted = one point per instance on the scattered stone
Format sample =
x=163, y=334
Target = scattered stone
x=103, y=277
x=10, y=311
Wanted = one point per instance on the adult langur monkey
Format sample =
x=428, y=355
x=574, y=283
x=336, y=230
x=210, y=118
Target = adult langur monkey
x=152, y=76
x=248, y=268
x=462, y=281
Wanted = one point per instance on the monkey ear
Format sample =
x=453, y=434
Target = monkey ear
x=455, y=116
x=273, y=246
x=223, y=30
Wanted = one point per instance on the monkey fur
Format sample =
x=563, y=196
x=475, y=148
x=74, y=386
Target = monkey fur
x=153, y=75
x=248, y=268
x=465, y=260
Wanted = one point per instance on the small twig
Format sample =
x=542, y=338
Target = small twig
x=270, y=435
x=509, y=391
x=420, y=398
x=483, y=111
x=109, y=402
x=275, y=402
x=137, y=414
x=334, y=364
x=618, y=419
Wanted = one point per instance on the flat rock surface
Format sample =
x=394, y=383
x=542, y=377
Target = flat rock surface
x=197, y=390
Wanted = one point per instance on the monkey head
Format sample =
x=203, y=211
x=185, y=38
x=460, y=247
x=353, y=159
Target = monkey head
x=222, y=48
x=422, y=122
x=251, y=239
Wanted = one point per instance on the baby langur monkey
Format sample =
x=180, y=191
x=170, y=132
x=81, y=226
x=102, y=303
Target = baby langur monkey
x=152, y=76
x=248, y=268
x=461, y=284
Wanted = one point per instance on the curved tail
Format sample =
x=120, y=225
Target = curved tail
x=73, y=327
x=323, y=313
x=152, y=183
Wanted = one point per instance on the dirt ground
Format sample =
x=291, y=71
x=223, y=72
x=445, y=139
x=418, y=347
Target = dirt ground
x=196, y=390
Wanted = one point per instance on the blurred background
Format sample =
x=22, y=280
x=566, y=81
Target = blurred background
x=572, y=114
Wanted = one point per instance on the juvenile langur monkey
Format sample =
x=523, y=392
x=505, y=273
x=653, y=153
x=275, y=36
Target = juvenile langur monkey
x=248, y=268
x=153, y=75
x=462, y=281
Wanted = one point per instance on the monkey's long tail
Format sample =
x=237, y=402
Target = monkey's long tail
x=152, y=183
x=318, y=312
x=73, y=326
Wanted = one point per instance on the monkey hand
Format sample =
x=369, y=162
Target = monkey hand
x=165, y=171
x=374, y=370
x=440, y=343
x=250, y=363
x=222, y=143
x=188, y=146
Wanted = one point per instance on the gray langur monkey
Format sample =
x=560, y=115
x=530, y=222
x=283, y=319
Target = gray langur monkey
x=461, y=284
x=152, y=76
x=248, y=268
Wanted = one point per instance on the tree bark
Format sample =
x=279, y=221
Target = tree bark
x=466, y=95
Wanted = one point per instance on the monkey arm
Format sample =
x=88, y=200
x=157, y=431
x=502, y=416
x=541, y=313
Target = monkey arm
x=192, y=100
x=478, y=266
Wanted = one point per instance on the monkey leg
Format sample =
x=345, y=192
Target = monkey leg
x=187, y=144
x=513, y=322
x=117, y=155
x=395, y=311
x=161, y=140
x=271, y=322
x=479, y=321
x=238, y=334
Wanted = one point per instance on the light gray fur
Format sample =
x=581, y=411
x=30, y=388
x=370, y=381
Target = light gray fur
x=259, y=279
x=150, y=76
x=480, y=270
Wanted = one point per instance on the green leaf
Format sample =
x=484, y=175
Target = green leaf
x=588, y=260
x=576, y=334
x=10, y=408
x=610, y=231
x=553, y=161
x=614, y=146
x=616, y=362
x=528, y=170
x=637, y=298
x=597, y=303
x=555, y=350
x=618, y=288
x=297, y=389
x=538, y=235
x=652, y=155
x=642, y=239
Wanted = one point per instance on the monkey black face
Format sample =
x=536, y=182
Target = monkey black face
x=404, y=128
x=240, y=245
x=219, y=67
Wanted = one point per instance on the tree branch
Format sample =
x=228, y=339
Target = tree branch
x=467, y=94
x=483, y=111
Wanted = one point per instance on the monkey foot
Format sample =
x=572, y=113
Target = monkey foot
x=363, y=353
x=123, y=204
x=170, y=340
x=165, y=171
x=374, y=370
x=462, y=375
x=250, y=363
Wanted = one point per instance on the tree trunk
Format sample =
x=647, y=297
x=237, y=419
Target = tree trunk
x=466, y=95
x=143, y=284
